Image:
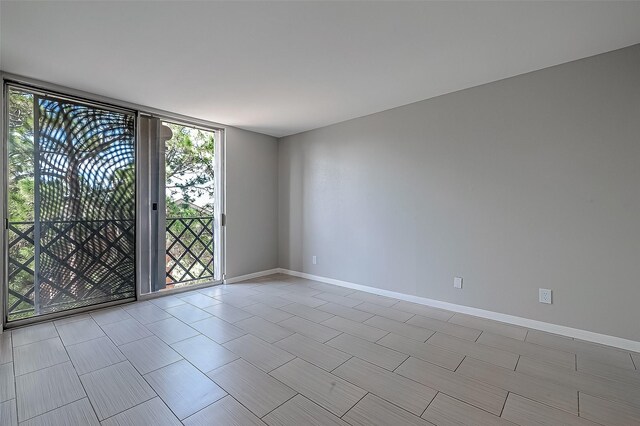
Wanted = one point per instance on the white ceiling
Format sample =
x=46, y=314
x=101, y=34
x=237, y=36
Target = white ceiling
x=283, y=68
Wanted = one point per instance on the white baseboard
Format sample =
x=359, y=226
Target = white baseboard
x=251, y=276
x=589, y=336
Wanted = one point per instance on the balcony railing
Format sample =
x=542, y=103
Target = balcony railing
x=190, y=251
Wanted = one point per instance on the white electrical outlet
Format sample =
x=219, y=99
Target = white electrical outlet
x=457, y=282
x=544, y=295
x=314, y=260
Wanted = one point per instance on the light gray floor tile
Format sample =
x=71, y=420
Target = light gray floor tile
x=79, y=331
x=8, y=413
x=368, y=351
x=354, y=328
x=383, y=311
x=267, y=312
x=408, y=394
x=263, y=355
x=400, y=328
x=321, y=387
x=454, y=330
x=200, y=300
x=171, y=330
x=270, y=299
x=306, y=312
x=373, y=298
x=474, y=392
x=184, y=388
x=607, y=412
x=218, y=330
x=39, y=355
x=7, y=387
x=204, y=353
x=33, y=333
x=475, y=350
x=166, y=302
x=255, y=389
x=316, y=353
x=423, y=310
x=228, y=313
x=525, y=412
x=76, y=413
x=213, y=291
x=374, y=411
x=149, y=313
x=447, y=411
x=264, y=329
x=115, y=389
x=494, y=327
x=188, y=313
x=301, y=411
x=330, y=288
x=47, y=389
x=609, y=371
x=72, y=318
x=340, y=300
x=6, y=347
x=126, y=331
x=310, y=329
x=237, y=299
x=305, y=300
x=539, y=390
x=542, y=353
x=226, y=411
x=345, y=312
x=636, y=360
x=153, y=413
x=424, y=351
x=94, y=354
x=149, y=354
x=109, y=315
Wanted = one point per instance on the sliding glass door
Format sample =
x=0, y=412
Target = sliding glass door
x=70, y=204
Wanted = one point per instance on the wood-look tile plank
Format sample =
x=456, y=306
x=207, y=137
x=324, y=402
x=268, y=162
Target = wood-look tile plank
x=405, y=393
x=475, y=350
x=528, y=349
x=218, y=330
x=126, y=331
x=310, y=329
x=270, y=299
x=79, y=331
x=354, y=328
x=239, y=299
x=525, y=412
x=149, y=354
x=116, y=388
x=153, y=412
x=330, y=288
x=636, y=360
x=184, y=388
x=305, y=300
x=345, y=312
x=110, y=315
x=301, y=411
x=608, y=371
x=607, y=412
x=477, y=393
x=7, y=387
x=226, y=411
x=171, y=330
x=306, y=312
x=400, y=328
x=9, y=413
x=200, y=300
x=147, y=314
x=373, y=298
x=310, y=350
x=165, y=302
x=423, y=310
x=38, y=355
x=451, y=329
x=263, y=355
x=264, y=329
x=340, y=300
x=268, y=312
x=424, y=351
x=47, y=389
x=374, y=411
x=368, y=351
x=594, y=385
x=229, y=313
x=94, y=354
x=204, y=353
x=188, y=313
x=76, y=413
x=539, y=390
x=320, y=386
x=495, y=327
x=383, y=311
x=6, y=347
x=447, y=411
x=252, y=387
x=33, y=333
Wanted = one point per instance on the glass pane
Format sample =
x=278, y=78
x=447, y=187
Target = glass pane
x=71, y=205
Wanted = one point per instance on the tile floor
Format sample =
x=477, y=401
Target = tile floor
x=281, y=350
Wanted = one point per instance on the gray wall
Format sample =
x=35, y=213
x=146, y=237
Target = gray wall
x=528, y=182
x=252, y=205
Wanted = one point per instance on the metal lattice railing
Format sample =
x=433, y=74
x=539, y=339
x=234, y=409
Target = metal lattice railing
x=190, y=251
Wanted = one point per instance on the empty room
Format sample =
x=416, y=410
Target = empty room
x=345, y=213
